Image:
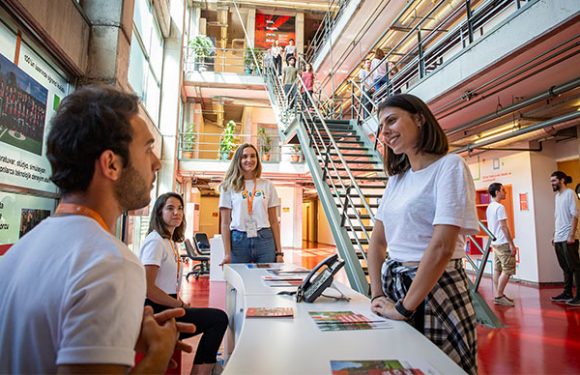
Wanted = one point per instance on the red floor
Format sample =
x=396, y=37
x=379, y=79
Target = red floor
x=539, y=337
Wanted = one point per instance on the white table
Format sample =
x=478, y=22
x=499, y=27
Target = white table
x=296, y=346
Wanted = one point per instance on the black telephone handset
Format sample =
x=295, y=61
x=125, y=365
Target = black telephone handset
x=310, y=289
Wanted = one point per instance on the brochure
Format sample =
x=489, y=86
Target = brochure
x=286, y=270
x=283, y=278
x=387, y=367
x=347, y=321
x=283, y=283
x=270, y=312
x=259, y=265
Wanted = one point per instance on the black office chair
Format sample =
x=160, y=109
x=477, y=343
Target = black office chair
x=202, y=268
x=202, y=244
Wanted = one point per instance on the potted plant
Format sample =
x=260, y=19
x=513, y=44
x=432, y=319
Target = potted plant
x=188, y=141
x=295, y=157
x=202, y=47
x=265, y=144
x=249, y=63
x=227, y=141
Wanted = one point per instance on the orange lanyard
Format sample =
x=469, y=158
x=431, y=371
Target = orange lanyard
x=178, y=261
x=251, y=198
x=77, y=209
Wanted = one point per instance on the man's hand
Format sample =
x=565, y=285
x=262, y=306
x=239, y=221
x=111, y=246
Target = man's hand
x=279, y=258
x=384, y=307
x=571, y=239
x=514, y=250
x=227, y=259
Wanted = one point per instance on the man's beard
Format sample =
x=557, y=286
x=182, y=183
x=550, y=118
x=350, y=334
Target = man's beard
x=132, y=191
x=556, y=187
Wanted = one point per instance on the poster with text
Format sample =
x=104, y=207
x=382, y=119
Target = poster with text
x=272, y=27
x=30, y=93
x=19, y=214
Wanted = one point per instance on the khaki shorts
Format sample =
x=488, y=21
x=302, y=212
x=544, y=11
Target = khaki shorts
x=504, y=260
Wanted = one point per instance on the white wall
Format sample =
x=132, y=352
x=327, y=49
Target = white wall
x=290, y=215
x=528, y=173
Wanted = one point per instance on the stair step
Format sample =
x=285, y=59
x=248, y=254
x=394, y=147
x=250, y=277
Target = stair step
x=352, y=154
x=360, y=205
x=361, y=241
x=352, y=148
x=355, y=195
x=360, y=169
x=335, y=122
x=369, y=178
x=344, y=142
x=358, y=228
x=362, y=217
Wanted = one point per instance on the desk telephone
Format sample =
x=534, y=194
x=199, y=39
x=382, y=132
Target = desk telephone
x=310, y=289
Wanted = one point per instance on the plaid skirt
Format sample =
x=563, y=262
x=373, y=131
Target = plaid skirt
x=446, y=317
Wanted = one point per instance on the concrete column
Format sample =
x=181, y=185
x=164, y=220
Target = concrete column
x=170, y=98
x=251, y=28
x=110, y=40
x=300, y=33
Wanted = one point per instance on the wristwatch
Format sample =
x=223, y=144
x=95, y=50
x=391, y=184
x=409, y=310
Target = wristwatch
x=403, y=311
x=279, y=254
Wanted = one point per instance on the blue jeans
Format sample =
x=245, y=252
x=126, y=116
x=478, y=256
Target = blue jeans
x=261, y=249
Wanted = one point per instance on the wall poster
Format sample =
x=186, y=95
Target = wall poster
x=271, y=27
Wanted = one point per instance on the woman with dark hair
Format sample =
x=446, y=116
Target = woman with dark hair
x=249, y=221
x=426, y=210
x=163, y=272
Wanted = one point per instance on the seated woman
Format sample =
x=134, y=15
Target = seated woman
x=163, y=271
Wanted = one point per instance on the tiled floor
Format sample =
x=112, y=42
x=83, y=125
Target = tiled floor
x=539, y=337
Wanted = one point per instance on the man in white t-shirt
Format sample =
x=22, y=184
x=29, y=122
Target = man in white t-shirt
x=565, y=240
x=72, y=294
x=503, y=246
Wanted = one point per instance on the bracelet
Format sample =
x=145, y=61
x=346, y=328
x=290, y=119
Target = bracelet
x=375, y=297
x=279, y=254
x=403, y=311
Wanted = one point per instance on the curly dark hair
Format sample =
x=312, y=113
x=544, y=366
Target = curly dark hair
x=432, y=139
x=157, y=224
x=89, y=121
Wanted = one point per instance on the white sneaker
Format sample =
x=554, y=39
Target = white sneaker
x=503, y=301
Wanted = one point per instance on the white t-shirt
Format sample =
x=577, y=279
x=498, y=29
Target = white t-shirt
x=275, y=51
x=495, y=213
x=289, y=50
x=365, y=80
x=441, y=193
x=71, y=294
x=381, y=71
x=157, y=251
x=565, y=212
x=266, y=197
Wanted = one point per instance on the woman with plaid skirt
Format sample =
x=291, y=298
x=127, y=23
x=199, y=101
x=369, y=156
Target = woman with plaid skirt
x=426, y=211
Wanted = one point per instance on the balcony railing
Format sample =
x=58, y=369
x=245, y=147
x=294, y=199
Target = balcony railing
x=423, y=50
x=225, y=60
x=336, y=8
x=209, y=146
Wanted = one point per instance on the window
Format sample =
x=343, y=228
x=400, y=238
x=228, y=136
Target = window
x=146, y=58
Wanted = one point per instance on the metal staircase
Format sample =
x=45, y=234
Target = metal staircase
x=347, y=170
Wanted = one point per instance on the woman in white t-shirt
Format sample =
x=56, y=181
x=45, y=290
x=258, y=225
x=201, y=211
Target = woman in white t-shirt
x=276, y=53
x=163, y=271
x=249, y=222
x=427, y=209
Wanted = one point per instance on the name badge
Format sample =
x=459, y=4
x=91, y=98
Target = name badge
x=251, y=229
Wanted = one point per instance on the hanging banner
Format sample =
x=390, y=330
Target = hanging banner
x=19, y=214
x=30, y=93
x=270, y=28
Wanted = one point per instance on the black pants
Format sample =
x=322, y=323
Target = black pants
x=211, y=322
x=570, y=263
x=278, y=64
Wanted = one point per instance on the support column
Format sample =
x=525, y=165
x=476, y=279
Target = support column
x=170, y=99
x=300, y=33
x=109, y=41
x=251, y=28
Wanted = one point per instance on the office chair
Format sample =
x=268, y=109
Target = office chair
x=202, y=268
x=201, y=244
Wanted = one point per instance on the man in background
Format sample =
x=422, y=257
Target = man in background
x=503, y=246
x=565, y=241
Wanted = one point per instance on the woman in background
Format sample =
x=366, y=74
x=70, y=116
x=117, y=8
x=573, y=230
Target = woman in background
x=163, y=271
x=249, y=222
x=308, y=79
x=426, y=211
